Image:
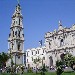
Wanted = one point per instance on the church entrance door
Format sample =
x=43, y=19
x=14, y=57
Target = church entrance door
x=51, y=61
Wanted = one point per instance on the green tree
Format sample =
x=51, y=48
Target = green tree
x=69, y=60
x=3, y=59
x=43, y=70
x=0, y=60
x=59, y=67
x=37, y=61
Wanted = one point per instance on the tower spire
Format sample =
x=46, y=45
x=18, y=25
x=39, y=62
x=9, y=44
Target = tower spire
x=16, y=36
x=18, y=1
x=60, y=23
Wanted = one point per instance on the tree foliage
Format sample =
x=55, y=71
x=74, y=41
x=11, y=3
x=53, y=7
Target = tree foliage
x=3, y=58
x=43, y=70
x=37, y=61
x=59, y=67
x=69, y=60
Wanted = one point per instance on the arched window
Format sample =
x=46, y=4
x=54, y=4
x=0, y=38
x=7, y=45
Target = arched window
x=61, y=42
x=19, y=33
x=49, y=44
x=13, y=22
x=32, y=52
x=13, y=33
x=36, y=52
x=18, y=46
x=51, y=61
x=19, y=21
x=12, y=46
x=62, y=56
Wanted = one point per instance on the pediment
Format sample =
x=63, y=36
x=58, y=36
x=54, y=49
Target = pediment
x=60, y=32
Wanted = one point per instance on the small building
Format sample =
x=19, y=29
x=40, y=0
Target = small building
x=36, y=53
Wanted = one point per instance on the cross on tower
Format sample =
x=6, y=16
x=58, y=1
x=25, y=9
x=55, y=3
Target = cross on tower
x=18, y=1
x=16, y=39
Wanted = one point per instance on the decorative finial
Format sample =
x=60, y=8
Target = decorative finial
x=18, y=1
x=55, y=30
x=60, y=26
x=60, y=23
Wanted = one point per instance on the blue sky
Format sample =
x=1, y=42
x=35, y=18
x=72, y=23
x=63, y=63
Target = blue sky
x=39, y=17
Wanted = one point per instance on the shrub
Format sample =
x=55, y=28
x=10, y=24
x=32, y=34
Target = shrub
x=59, y=66
x=29, y=70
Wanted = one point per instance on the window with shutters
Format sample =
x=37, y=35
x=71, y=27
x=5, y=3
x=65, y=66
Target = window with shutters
x=27, y=53
x=19, y=34
x=13, y=33
x=38, y=51
x=18, y=46
x=32, y=52
x=19, y=21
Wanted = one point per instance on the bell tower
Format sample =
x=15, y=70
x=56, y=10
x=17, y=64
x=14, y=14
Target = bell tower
x=16, y=37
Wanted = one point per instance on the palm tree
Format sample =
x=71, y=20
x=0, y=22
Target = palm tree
x=3, y=59
x=37, y=61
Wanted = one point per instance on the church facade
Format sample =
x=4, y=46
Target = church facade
x=56, y=43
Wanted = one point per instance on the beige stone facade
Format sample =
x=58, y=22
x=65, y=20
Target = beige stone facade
x=56, y=43
x=16, y=38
